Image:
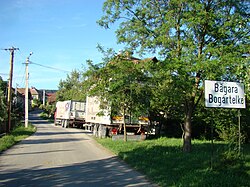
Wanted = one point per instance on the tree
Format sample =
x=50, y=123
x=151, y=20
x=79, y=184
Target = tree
x=3, y=107
x=120, y=84
x=197, y=40
x=71, y=88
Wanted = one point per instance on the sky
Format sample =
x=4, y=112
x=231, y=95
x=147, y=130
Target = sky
x=62, y=34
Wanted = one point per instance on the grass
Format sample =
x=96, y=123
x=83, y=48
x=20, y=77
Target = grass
x=163, y=162
x=18, y=134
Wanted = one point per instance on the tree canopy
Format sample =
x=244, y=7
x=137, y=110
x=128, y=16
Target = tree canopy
x=197, y=40
x=193, y=41
x=71, y=88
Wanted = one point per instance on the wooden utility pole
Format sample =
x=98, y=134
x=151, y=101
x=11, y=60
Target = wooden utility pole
x=9, y=99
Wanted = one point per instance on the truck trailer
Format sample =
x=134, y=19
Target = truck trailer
x=105, y=124
x=70, y=113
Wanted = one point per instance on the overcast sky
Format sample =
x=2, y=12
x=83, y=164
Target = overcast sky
x=62, y=34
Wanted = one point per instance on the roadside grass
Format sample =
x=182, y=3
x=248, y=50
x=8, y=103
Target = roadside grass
x=164, y=163
x=18, y=134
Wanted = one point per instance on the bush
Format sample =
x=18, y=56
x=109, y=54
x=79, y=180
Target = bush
x=3, y=109
x=48, y=111
x=36, y=103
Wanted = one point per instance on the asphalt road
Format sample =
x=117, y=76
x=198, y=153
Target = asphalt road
x=55, y=156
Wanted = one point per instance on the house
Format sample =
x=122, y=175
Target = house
x=42, y=96
x=36, y=94
x=51, y=98
x=20, y=98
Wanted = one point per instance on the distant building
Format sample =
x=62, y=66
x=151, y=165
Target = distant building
x=42, y=96
x=51, y=98
x=36, y=94
x=20, y=98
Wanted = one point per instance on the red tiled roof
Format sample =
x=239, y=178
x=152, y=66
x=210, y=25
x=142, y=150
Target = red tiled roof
x=51, y=97
x=33, y=91
x=21, y=90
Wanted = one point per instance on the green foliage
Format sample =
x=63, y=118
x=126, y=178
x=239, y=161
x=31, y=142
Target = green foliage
x=225, y=123
x=48, y=111
x=6, y=142
x=72, y=88
x=3, y=108
x=123, y=83
x=18, y=134
x=36, y=103
x=164, y=163
x=197, y=40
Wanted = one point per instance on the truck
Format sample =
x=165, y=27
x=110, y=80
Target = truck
x=105, y=124
x=70, y=113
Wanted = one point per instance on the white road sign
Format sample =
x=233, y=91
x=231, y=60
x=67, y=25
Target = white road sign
x=220, y=94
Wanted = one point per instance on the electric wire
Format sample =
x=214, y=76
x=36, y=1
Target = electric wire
x=49, y=67
x=21, y=81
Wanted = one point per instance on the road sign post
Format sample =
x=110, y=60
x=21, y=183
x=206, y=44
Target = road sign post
x=221, y=94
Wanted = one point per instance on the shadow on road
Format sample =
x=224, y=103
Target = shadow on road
x=52, y=140
x=39, y=152
x=58, y=133
x=102, y=172
x=40, y=121
x=82, y=174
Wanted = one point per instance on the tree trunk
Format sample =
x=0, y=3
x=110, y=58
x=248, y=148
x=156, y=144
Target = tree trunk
x=187, y=133
x=124, y=126
x=187, y=146
x=189, y=108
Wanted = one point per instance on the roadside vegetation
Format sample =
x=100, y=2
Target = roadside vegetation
x=17, y=134
x=187, y=42
x=48, y=112
x=163, y=162
x=190, y=42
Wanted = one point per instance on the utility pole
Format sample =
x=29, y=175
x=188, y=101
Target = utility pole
x=27, y=91
x=44, y=97
x=9, y=99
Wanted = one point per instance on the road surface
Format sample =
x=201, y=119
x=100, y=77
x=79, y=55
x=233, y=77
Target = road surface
x=55, y=156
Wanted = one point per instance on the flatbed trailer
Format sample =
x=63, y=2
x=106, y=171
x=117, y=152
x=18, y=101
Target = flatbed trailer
x=103, y=124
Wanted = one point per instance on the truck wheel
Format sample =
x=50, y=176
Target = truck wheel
x=102, y=131
x=95, y=130
x=66, y=123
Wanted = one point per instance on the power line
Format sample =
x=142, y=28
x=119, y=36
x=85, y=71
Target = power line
x=49, y=67
x=22, y=82
x=4, y=74
x=45, y=66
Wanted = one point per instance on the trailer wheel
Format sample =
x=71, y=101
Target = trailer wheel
x=95, y=130
x=102, y=131
x=66, y=123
